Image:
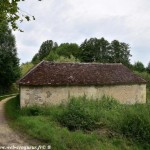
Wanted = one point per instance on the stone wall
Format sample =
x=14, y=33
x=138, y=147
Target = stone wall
x=44, y=95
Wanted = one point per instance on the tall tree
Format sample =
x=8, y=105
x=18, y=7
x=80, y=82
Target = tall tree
x=148, y=67
x=95, y=50
x=138, y=66
x=46, y=48
x=103, y=51
x=10, y=12
x=9, y=63
x=120, y=52
x=100, y=50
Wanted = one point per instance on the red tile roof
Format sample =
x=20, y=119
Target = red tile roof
x=55, y=74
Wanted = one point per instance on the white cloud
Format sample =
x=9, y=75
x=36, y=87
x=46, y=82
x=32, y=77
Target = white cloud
x=76, y=20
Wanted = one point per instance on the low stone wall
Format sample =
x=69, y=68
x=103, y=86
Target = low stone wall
x=43, y=95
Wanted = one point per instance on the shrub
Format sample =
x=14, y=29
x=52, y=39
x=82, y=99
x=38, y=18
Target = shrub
x=82, y=113
x=32, y=111
x=136, y=123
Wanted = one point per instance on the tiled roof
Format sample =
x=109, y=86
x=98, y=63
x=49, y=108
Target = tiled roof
x=55, y=74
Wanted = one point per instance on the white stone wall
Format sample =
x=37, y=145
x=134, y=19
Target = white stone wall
x=128, y=94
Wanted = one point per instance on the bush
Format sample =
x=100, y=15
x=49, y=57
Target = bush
x=132, y=121
x=136, y=123
x=32, y=111
x=82, y=113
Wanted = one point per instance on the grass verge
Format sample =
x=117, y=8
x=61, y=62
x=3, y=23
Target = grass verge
x=84, y=124
x=6, y=96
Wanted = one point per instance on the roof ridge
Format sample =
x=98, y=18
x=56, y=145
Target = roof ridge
x=82, y=63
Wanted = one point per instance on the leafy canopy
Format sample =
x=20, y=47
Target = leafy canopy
x=92, y=50
x=68, y=49
x=10, y=12
x=46, y=48
x=138, y=66
x=100, y=50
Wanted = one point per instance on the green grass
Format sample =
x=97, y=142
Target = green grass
x=6, y=96
x=84, y=124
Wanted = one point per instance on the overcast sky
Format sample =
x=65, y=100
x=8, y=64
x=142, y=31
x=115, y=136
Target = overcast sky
x=75, y=20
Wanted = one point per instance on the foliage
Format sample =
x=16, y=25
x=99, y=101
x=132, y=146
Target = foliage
x=138, y=66
x=132, y=121
x=35, y=59
x=53, y=56
x=64, y=53
x=10, y=12
x=100, y=50
x=46, y=48
x=68, y=49
x=95, y=50
x=120, y=52
x=148, y=67
x=145, y=75
x=14, y=88
x=46, y=128
x=81, y=113
x=25, y=67
x=136, y=124
x=64, y=59
x=9, y=62
x=92, y=50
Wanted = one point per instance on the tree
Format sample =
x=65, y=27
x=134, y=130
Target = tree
x=95, y=50
x=53, y=56
x=25, y=67
x=100, y=50
x=57, y=58
x=68, y=49
x=103, y=51
x=138, y=66
x=120, y=52
x=9, y=63
x=35, y=59
x=148, y=67
x=10, y=12
x=46, y=48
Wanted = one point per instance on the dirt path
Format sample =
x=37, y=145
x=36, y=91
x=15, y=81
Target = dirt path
x=7, y=136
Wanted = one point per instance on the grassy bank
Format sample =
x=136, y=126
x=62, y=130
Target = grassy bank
x=84, y=124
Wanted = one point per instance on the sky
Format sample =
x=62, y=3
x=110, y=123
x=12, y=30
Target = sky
x=74, y=21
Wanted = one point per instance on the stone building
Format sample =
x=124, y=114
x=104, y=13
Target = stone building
x=52, y=83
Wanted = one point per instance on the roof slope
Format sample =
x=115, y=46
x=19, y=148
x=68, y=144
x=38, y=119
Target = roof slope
x=48, y=73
